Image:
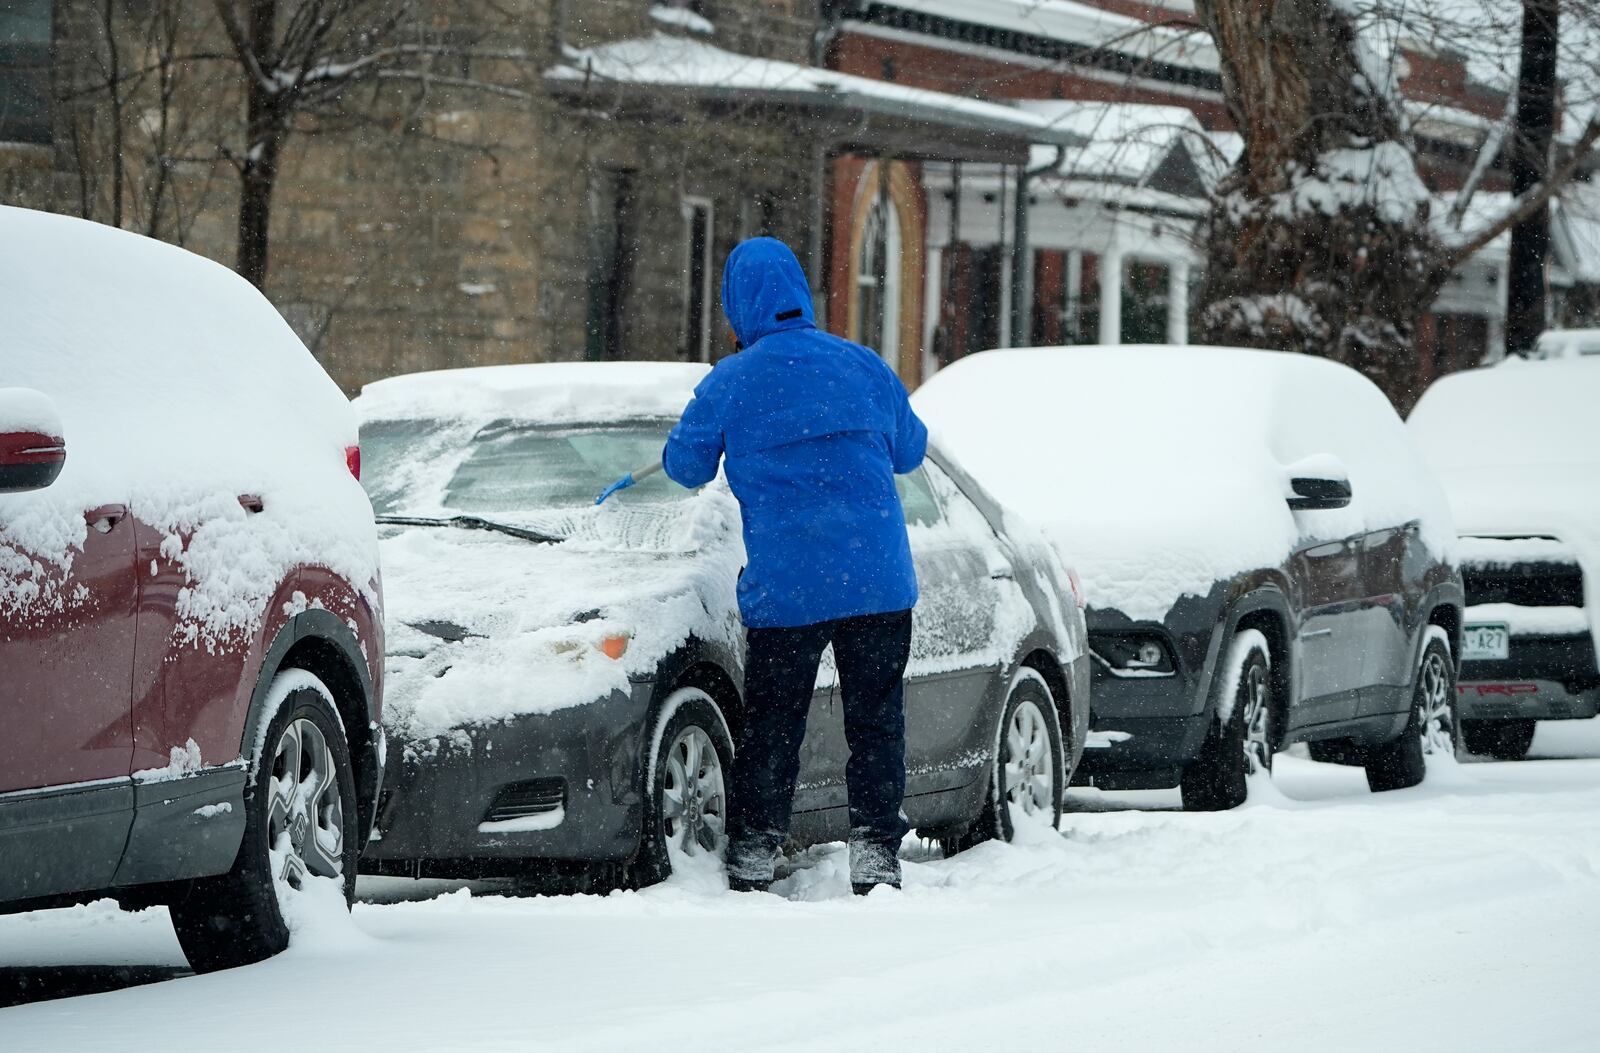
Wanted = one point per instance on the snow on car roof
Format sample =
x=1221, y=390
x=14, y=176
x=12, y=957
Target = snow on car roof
x=554, y=392
x=178, y=387
x=1159, y=471
x=1512, y=414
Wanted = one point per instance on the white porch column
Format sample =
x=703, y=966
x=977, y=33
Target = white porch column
x=1111, y=296
x=1178, y=302
x=932, y=303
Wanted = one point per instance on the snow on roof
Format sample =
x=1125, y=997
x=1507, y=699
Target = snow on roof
x=682, y=18
x=552, y=392
x=676, y=62
x=1075, y=23
x=1124, y=141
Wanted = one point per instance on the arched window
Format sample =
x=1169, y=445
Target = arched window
x=878, y=283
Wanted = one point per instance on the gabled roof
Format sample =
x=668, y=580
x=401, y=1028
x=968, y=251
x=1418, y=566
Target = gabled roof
x=1124, y=142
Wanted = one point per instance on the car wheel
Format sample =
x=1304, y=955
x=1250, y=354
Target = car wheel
x=1025, y=784
x=300, y=824
x=686, y=807
x=1217, y=779
x=1399, y=764
x=1500, y=739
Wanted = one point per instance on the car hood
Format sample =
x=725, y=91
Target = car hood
x=483, y=627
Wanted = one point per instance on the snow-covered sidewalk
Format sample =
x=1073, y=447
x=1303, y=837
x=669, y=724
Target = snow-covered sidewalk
x=1461, y=915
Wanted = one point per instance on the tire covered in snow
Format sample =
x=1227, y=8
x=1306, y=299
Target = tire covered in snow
x=1500, y=739
x=1241, y=739
x=686, y=781
x=1399, y=764
x=300, y=824
x=1025, y=780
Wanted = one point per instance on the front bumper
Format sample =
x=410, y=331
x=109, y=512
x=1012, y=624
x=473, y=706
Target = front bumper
x=434, y=815
x=1524, y=700
x=1543, y=678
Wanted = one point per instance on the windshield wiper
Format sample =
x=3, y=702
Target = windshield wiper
x=472, y=523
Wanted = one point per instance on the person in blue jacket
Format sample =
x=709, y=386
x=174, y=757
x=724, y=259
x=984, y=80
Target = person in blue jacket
x=813, y=430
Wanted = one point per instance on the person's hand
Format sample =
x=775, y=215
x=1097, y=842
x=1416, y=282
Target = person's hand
x=621, y=484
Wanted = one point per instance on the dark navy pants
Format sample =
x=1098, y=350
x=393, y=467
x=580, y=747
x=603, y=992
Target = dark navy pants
x=780, y=676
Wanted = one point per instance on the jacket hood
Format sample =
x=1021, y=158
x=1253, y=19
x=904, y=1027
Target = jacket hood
x=764, y=290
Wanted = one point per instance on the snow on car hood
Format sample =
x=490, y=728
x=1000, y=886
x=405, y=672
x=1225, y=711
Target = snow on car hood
x=1159, y=471
x=484, y=627
x=179, y=388
x=1517, y=447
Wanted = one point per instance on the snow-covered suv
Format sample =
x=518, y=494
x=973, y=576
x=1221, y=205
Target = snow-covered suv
x=190, y=637
x=1517, y=449
x=1265, y=557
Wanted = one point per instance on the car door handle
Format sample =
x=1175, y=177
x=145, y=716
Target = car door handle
x=1002, y=575
x=1315, y=633
x=106, y=517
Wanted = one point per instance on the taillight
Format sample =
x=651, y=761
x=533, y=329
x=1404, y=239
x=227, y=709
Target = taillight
x=352, y=460
x=1077, y=587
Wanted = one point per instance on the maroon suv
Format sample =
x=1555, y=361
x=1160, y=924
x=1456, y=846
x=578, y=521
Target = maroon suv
x=190, y=629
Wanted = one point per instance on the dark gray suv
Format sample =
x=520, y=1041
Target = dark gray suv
x=1264, y=556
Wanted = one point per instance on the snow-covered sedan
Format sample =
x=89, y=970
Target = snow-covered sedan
x=1518, y=452
x=1265, y=557
x=565, y=680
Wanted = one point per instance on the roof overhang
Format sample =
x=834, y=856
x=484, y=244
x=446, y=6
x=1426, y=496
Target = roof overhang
x=848, y=113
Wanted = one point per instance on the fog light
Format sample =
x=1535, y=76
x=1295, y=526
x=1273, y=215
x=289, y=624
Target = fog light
x=1150, y=653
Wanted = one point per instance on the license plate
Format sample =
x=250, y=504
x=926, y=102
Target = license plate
x=1485, y=643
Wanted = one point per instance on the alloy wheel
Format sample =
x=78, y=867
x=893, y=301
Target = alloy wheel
x=1435, y=717
x=1257, y=711
x=694, y=799
x=305, y=813
x=1030, y=764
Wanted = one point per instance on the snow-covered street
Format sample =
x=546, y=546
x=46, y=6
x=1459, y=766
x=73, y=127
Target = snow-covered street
x=1460, y=915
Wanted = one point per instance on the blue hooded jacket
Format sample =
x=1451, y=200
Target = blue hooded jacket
x=814, y=429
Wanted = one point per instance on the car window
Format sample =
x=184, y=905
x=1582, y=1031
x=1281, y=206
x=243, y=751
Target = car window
x=916, y=497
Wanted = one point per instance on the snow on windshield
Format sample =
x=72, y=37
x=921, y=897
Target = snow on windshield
x=1158, y=471
x=178, y=388
x=531, y=446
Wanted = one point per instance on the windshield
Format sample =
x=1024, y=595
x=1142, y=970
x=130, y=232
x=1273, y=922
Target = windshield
x=441, y=468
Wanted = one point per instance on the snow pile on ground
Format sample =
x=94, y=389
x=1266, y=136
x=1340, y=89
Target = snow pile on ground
x=179, y=389
x=1158, y=471
x=1517, y=447
x=1374, y=922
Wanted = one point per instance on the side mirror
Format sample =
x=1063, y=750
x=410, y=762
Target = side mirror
x=32, y=451
x=1318, y=483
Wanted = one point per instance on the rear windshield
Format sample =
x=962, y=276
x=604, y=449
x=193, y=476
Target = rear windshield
x=428, y=467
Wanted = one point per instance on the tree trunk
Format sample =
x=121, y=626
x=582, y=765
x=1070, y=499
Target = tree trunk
x=267, y=115
x=1535, y=125
x=1319, y=240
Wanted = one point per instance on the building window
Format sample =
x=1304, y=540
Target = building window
x=610, y=220
x=698, y=227
x=878, y=283
x=25, y=71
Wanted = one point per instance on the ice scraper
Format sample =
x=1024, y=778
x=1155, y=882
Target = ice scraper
x=628, y=480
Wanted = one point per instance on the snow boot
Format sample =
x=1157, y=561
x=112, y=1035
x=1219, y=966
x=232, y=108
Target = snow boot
x=750, y=864
x=873, y=863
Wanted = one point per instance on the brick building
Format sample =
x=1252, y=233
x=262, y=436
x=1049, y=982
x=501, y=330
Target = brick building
x=1105, y=248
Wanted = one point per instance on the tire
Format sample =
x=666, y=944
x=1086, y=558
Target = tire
x=1399, y=764
x=693, y=750
x=1500, y=739
x=296, y=826
x=1027, y=769
x=1217, y=779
